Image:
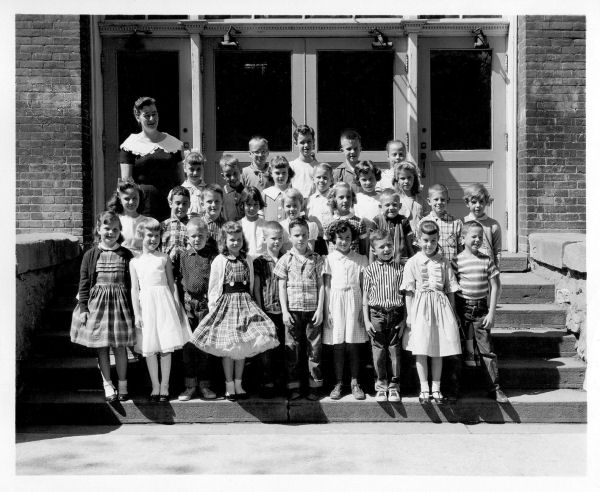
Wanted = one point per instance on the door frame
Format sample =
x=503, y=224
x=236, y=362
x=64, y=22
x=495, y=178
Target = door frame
x=199, y=31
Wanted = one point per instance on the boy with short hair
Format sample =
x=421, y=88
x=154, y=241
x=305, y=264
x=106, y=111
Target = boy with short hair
x=304, y=164
x=193, y=167
x=173, y=230
x=212, y=203
x=191, y=269
x=257, y=173
x=230, y=170
x=478, y=277
x=395, y=153
x=384, y=314
x=266, y=293
x=448, y=225
x=301, y=294
x=390, y=219
x=477, y=198
x=292, y=207
x=350, y=145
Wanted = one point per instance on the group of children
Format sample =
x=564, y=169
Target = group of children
x=287, y=257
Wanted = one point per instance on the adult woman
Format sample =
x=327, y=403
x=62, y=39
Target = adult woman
x=152, y=158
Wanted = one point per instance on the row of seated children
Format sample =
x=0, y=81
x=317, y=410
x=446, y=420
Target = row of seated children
x=174, y=235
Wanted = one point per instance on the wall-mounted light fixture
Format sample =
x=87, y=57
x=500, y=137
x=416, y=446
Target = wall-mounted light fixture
x=480, y=41
x=381, y=41
x=229, y=41
x=134, y=41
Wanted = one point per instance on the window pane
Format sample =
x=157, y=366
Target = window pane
x=461, y=99
x=354, y=90
x=253, y=97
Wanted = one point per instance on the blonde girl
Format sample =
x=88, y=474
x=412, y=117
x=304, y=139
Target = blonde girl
x=408, y=184
x=160, y=321
x=126, y=202
x=103, y=318
x=282, y=174
x=432, y=331
x=341, y=201
x=193, y=167
x=235, y=327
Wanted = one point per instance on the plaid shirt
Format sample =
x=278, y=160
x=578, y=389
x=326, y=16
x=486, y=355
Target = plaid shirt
x=303, y=275
x=450, y=228
x=173, y=235
x=264, y=266
x=191, y=269
x=214, y=226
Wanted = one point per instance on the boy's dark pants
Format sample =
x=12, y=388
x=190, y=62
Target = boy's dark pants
x=471, y=314
x=195, y=361
x=274, y=357
x=386, y=345
x=303, y=336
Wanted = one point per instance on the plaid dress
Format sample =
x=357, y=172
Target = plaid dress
x=236, y=327
x=110, y=320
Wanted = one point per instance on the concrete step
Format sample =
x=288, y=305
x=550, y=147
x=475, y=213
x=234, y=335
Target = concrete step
x=89, y=408
x=528, y=288
x=529, y=342
x=543, y=342
x=525, y=316
x=514, y=262
x=82, y=373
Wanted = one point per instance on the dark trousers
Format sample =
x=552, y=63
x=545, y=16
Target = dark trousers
x=303, y=337
x=386, y=345
x=195, y=361
x=343, y=351
x=471, y=314
x=272, y=360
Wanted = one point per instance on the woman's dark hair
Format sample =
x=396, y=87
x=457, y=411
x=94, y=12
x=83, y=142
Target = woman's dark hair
x=107, y=217
x=252, y=193
x=115, y=205
x=339, y=226
x=231, y=227
x=140, y=102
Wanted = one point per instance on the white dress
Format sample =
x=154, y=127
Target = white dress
x=345, y=323
x=254, y=236
x=164, y=327
x=434, y=330
x=128, y=227
x=303, y=176
x=367, y=206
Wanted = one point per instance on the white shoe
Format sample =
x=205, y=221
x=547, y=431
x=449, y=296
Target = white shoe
x=394, y=395
x=381, y=395
x=188, y=394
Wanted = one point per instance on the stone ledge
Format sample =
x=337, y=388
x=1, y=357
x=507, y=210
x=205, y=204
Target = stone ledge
x=559, y=250
x=44, y=250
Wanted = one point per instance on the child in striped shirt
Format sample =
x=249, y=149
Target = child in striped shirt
x=384, y=314
x=478, y=276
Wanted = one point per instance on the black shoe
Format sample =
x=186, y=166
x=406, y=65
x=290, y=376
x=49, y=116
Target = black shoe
x=293, y=394
x=230, y=396
x=499, y=396
x=154, y=398
x=163, y=398
x=123, y=396
x=313, y=394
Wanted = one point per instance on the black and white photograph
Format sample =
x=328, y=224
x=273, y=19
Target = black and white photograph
x=344, y=244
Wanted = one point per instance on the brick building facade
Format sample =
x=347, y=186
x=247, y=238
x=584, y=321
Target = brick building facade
x=54, y=114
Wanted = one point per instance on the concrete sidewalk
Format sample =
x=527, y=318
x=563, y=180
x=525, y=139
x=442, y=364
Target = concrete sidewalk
x=410, y=449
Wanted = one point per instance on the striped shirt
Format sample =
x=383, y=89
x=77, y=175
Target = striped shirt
x=473, y=272
x=303, y=275
x=492, y=236
x=381, y=282
x=450, y=228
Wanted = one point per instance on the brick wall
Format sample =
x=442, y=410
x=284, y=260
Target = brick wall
x=49, y=139
x=551, y=125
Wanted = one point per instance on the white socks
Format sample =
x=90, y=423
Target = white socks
x=238, y=387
